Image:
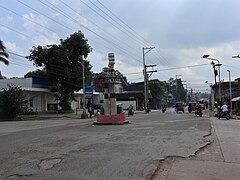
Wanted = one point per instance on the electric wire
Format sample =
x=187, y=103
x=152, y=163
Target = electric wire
x=53, y=7
x=30, y=20
x=134, y=32
x=103, y=30
x=62, y=25
x=107, y=19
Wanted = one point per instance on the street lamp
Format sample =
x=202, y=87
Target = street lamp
x=145, y=77
x=230, y=92
x=205, y=56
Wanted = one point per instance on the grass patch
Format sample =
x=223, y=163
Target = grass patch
x=32, y=118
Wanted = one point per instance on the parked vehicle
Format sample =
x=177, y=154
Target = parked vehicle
x=179, y=107
x=163, y=110
x=130, y=110
x=29, y=111
x=222, y=114
x=199, y=112
x=192, y=106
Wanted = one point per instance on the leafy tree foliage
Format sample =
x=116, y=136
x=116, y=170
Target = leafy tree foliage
x=3, y=54
x=161, y=89
x=63, y=65
x=11, y=102
x=38, y=74
x=175, y=87
x=157, y=89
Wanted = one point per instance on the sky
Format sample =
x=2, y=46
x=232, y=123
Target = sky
x=181, y=32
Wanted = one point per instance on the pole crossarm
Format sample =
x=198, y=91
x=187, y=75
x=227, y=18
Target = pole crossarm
x=237, y=56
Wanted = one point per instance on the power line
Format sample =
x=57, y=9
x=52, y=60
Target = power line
x=103, y=30
x=74, y=20
x=62, y=25
x=135, y=33
x=17, y=55
x=169, y=69
x=158, y=55
x=30, y=20
x=106, y=18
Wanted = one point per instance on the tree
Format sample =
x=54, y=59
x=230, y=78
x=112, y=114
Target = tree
x=37, y=74
x=63, y=65
x=12, y=100
x=157, y=89
x=3, y=54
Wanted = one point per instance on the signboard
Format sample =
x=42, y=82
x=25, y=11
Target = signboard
x=88, y=89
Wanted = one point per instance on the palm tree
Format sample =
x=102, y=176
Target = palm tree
x=3, y=54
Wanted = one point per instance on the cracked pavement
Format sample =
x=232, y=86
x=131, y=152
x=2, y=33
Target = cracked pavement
x=72, y=148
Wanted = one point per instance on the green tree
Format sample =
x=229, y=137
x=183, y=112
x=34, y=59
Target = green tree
x=157, y=89
x=12, y=100
x=63, y=65
x=3, y=54
x=38, y=74
x=175, y=87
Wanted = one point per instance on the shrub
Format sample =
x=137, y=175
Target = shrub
x=11, y=102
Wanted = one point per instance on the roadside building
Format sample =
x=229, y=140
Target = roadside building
x=40, y=98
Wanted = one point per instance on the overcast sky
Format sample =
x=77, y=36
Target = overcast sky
x=180, y=30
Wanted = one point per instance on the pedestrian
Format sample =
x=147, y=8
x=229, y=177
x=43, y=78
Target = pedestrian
x=90, y=110
x=101, y=110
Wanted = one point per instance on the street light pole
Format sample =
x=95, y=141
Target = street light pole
x=230, y=92
x=219, y=83
x=145, y=77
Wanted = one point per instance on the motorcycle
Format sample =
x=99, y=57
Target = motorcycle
x=130, y=112
x=163, y=110
x=222, y=114
x=198, y=112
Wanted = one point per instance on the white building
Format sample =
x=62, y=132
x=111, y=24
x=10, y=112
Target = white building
x=39, y=96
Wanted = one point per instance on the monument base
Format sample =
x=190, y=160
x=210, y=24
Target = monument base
x=116, y=119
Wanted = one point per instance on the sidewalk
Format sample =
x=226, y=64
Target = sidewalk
x=220, y=160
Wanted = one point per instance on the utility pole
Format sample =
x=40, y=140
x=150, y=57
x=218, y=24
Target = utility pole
x=145, y=76
x=84, y=114
x=230, y=92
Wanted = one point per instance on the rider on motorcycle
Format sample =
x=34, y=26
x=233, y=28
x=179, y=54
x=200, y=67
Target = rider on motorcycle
x=130, y=110
x=224, y=108
x=224, y=113
x=198, y=110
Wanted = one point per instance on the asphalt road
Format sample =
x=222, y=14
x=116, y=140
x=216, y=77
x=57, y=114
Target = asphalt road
x=76, y=149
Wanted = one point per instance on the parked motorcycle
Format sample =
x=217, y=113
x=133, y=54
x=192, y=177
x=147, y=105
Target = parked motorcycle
x=163, y=110
x=198, y=112
x=130, y=112
x=222, y=114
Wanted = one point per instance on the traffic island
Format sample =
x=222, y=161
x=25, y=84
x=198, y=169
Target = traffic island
x=115, y=119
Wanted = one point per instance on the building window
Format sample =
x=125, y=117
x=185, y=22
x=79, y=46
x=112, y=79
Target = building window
x=120, y=90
